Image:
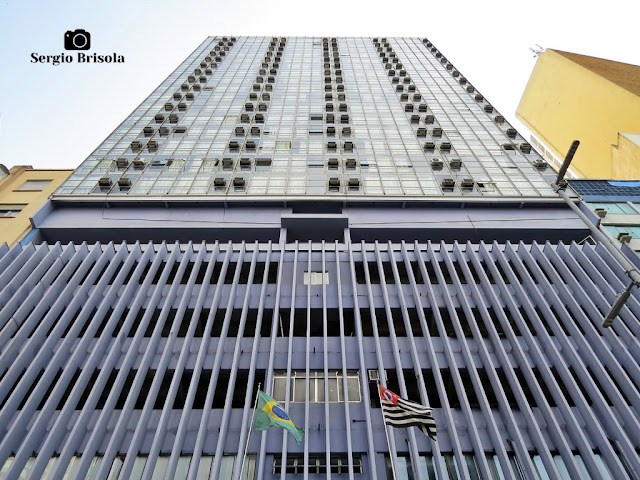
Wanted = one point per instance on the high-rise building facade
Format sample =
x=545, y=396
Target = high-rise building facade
x=311, y=216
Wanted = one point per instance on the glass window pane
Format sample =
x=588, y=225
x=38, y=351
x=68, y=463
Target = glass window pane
x=562, y=468
x=114, y=473
x=606, y=474
x=34, y=185
x=472, y=468
x=451, y=467
x=160, y=468
x=93, y=468
x=353, y=384
x=138, y=468
x=204, y=469
x=317, y=385
x=183, y=467
x=5, y=467
x=427, y=467
x=299, y=389
x=249, y=469
x=334, y=388
x=279, y=385
x=226, y=467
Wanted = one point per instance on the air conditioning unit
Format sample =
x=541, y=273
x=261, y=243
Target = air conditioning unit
x=122, y=162
x=467, y=183
x=525, y=148
x=601, y=212
x=374, y=376
x=448, y=182
x=334, y=182
x=455, y=163
x=124, y=182
x=238, y=182
x=624, y=237
x=105, y=182
x=138, y=164
x=437, y=163
x=540, y=164
x=219, y=182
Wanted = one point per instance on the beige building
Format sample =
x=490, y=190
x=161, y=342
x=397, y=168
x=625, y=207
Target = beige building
x=23, y=190
x=597, y=101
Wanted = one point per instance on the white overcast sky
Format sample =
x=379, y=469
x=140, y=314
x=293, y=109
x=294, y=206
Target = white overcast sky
x=55, y=116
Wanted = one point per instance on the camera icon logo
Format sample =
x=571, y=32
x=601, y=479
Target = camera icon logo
x=77, y=40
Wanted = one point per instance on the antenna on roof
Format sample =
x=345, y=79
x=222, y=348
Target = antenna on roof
x=537, y=50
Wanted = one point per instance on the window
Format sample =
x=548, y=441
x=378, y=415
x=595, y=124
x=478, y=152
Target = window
x=451, y=468
x=317, y=464
x=159, y=468
x=316, y=386
x=10, y=211
x=33, y=186
x=316, y=278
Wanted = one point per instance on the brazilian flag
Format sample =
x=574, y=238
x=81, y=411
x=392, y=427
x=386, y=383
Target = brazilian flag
x=269, y=413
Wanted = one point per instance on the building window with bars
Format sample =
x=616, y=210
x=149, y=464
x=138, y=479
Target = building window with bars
x=297, y=386
x=317, y=464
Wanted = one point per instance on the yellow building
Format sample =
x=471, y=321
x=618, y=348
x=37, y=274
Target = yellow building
x=596, y=101
x=23, y=190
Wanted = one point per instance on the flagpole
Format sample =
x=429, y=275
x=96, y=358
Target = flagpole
x=386, y=434
x=246, y=447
